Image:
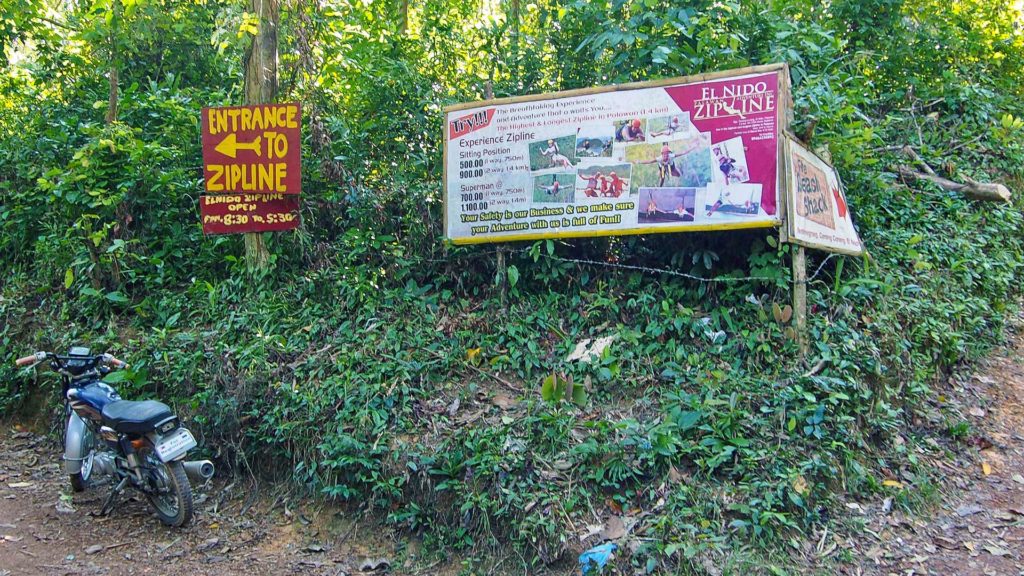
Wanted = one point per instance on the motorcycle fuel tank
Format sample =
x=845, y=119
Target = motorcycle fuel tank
x=89, y=401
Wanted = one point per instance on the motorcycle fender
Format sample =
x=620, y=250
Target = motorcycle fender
x=75, y=449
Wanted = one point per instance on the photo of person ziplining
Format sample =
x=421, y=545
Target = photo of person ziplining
x=594, y=142
x=554, y=188
x=666, y=161
x=731, y=160
x=557, y=153
x=667, y=127
x=630, y=130
x=735, y=200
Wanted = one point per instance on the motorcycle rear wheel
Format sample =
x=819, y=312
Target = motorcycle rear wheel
x=173, y=500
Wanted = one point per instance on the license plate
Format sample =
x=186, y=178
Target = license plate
x=175, y=444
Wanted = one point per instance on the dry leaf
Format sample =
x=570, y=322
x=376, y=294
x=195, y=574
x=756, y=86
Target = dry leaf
x=614, y=529
x=892, y=483
x=970, y=546
x=875, y=553
x=787, y=313
x=592, y=530
x=986, y=468
x=374, y=564
x=946, y=543
x=1018, y=478
x=504, y=401
x=1003, y=515
x=586, y=351
x=800, y=485
x=20, y=484
x=976, y=412
x=980, y=441
x=996, y=550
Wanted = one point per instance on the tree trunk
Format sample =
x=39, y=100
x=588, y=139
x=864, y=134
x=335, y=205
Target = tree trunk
x=115, y=57
x=515, y=42
x=261, y=88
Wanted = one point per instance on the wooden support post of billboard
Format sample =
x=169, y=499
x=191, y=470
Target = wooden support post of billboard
x=501, y=278
x=800, y=298
x=501, y=267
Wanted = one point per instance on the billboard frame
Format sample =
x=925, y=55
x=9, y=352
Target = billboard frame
x=784, y=112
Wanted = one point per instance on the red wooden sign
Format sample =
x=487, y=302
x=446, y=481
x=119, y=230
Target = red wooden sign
x=240, y=213
x=252, y=149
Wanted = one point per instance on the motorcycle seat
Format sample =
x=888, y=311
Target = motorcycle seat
x=130, y=417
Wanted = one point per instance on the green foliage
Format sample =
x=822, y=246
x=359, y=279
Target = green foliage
x=374, y=363
x=556, y=388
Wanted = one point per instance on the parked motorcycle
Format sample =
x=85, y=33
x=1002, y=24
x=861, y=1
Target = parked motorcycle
x=142, y=444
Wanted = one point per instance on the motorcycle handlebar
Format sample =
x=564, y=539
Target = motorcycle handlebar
x=31, y=358
x=115, y=362
x=40, y=356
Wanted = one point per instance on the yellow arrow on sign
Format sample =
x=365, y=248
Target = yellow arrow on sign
x=229, y=146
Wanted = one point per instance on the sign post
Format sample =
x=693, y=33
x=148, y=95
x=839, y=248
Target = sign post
x=800, y=299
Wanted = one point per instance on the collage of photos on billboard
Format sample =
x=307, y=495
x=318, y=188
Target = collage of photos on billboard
x=673, y=172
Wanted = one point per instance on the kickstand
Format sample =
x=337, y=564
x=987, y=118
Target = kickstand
x=108, y=506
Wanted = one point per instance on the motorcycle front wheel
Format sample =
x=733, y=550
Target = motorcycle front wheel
x=169, y=492
x=80, y=480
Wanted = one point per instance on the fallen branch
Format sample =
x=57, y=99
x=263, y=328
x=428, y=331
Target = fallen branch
x=917, y=159
x=816, y=368
x=977, y=190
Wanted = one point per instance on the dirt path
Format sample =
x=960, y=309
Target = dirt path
x=44, y=530
x=979, y=527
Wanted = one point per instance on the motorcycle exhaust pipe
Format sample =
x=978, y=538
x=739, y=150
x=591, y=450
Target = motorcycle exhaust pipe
x=198, y=471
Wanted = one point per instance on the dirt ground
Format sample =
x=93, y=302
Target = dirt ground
x=47, y=530
x=978, y=528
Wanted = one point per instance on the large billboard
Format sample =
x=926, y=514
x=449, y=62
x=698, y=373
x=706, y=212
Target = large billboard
x=695, y=153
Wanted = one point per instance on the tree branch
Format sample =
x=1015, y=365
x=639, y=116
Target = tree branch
x=987, y=191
